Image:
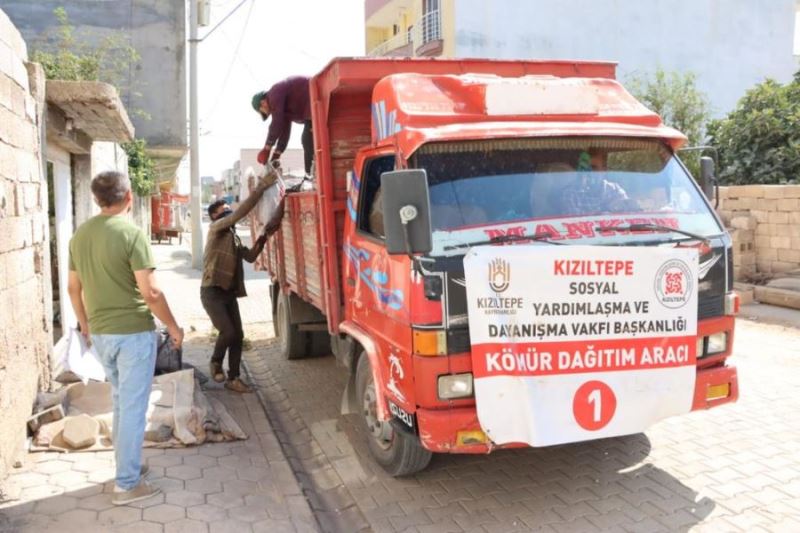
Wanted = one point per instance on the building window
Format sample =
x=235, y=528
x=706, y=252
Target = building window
x=431, y=21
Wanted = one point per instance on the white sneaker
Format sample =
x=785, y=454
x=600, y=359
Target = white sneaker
x=142, y=491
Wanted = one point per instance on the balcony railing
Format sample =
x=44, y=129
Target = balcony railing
x=398, y=41
x=428, y=28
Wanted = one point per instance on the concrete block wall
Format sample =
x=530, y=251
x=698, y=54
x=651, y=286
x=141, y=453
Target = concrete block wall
x=25, y=291
x=765, y=224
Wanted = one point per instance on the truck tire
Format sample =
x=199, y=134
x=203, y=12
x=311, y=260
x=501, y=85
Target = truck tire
x=399, y=453
x=293, y=342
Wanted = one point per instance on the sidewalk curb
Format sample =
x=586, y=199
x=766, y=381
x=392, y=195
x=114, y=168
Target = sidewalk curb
x=334, y=509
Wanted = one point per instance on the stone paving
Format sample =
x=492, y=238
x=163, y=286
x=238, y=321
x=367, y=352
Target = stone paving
x=735, y=468
x=243, y=486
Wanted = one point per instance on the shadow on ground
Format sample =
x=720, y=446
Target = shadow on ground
x=599, y=485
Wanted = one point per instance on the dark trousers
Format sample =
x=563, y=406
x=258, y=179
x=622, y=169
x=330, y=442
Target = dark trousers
x=308, y=145
x=223, y=310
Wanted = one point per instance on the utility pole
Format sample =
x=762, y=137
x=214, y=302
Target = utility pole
x=194, y=141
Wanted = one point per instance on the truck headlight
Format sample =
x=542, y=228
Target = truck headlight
x=717, y=343
x=453, y=386
x=701, y=345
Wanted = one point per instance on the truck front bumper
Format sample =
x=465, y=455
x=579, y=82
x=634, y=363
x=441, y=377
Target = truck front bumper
x=457, y=429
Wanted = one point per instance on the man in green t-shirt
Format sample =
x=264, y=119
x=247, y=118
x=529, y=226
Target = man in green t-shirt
x=113, y=289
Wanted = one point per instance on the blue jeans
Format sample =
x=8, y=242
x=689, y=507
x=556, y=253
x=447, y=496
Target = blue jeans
x=129, y=362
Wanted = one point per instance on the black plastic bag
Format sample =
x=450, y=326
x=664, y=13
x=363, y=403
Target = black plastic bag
x=168, y=358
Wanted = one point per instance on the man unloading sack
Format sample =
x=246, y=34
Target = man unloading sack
x=287, y=101
x=223, y=279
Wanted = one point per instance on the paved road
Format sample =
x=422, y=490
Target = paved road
x=736, y=468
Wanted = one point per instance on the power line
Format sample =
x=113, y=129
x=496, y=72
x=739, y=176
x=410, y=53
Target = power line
x=218, y=24
x=235, y=55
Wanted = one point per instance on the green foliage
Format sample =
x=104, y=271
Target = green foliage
x=759, y=141
x=141, y=167
x=679, y=103
x=64, y=56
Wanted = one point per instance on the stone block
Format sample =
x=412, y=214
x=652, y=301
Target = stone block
x=770, y=254
x=747, y=191
x=788, y=204
x=16, y=131
x=767, y=205
x=744, y=223
x=12, y=37
x=732, y=204
x=760, y=216
x=80, y=431
x=764, y=229
x=27, y=166
x=15, y=233
x=8, y=162
x=762, y=241
x=5, y=91
x=788, y=255
x=778, y=217
x=19, y=267
x=780, y=242
x=775, y=191
x=30, y=193
x=37, y=229
x=792, y=191
x=744, y=259
x=723, y=192
x=787, y=230
x=745, y=291
x=748, y=203
x=6, y=57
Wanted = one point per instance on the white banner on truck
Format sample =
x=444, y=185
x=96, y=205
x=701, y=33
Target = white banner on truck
x=573, y=343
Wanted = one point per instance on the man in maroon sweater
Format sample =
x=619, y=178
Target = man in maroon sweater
x=287, y=101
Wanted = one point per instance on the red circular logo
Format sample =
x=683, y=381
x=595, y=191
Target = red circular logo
x=594, y=405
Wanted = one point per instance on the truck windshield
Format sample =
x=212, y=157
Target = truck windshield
x=570, y=189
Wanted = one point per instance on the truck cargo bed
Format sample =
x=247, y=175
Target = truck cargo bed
x=294, y=253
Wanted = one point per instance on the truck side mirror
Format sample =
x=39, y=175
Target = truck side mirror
x=707, y=178
x=406, y=212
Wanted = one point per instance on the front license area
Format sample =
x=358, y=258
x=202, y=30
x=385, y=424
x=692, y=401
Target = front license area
x=581, y=342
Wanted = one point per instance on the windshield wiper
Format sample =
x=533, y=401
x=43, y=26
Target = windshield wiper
x=538, y=237
x=652, y=227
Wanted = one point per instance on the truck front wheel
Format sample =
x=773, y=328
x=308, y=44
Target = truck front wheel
x=399, y=453
x=293, y=342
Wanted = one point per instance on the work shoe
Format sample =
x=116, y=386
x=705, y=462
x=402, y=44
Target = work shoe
x=217, y=374
x=142, y=491
x=237, y=385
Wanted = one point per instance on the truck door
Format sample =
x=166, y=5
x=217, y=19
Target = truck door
x=376, y=284
x=365, y=272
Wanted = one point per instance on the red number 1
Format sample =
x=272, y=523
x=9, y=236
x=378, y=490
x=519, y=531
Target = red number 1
x=594, y=405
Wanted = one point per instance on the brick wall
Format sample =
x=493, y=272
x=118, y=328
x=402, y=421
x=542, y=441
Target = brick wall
x=25, y=291
x=765, y=224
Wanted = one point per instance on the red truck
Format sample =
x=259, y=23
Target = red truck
x=502, y=254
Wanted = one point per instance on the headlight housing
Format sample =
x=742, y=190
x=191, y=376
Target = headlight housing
x=455, y=386
x=717, y=343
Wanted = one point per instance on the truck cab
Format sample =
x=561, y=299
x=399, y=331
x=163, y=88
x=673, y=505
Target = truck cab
x=523, y=163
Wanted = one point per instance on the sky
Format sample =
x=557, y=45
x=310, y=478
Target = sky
x=260, y=44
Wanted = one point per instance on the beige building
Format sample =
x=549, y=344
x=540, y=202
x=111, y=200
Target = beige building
x=410, y=27
x=54, y=136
